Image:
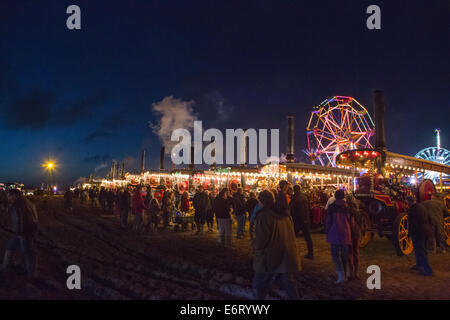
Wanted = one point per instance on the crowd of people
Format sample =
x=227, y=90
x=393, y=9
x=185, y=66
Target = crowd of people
x=342, y=223
x=276, y=218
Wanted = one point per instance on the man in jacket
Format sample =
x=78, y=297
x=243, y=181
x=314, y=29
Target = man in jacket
x=281, y=201
x=102, y=198
x=124, y=204
x=24, y=220
x=300, y=215
x=68, y=197
x=222, y=209
x=275, y=253
x=239, y=205
x=419, y=224
x=437, y=212
x=92, y=196
x=251, y=203
x=210, y=213
x=201, y=205
x=110, y=198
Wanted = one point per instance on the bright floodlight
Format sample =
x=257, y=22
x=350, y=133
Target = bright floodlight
x=49, y=165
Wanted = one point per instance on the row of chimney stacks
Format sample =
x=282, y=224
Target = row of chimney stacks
x=117, y=171
x=380, y=140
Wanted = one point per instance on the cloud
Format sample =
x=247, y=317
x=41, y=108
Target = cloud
x=79, y=109
x=32, y=111
x=96, y=135
x=107, y=126
x=37, y=108
x=175, y=114
x=115, y=120
x=97, y=158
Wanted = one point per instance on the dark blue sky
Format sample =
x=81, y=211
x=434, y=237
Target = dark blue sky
x=84, y=97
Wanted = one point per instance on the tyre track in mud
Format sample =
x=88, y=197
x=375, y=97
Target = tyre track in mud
x=168, y=272
x=117, y=264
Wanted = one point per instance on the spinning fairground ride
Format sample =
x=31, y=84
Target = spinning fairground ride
x=435, y=154
x=336, y=125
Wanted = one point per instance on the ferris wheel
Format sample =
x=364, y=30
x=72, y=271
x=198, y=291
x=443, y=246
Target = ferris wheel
x=435, y=154
x=337, y=125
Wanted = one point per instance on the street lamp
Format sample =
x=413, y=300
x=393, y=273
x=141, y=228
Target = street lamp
x=49, y=166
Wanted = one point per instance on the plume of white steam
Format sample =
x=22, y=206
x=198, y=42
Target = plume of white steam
x=100, y=167
x=80, y=181
x=276, y=160
x=175, y=114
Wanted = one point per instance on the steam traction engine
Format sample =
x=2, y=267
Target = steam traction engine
x=382, y=193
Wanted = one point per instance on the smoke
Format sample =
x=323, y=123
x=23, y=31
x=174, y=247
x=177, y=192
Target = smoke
x=175, y=114
x=80, y=181
x=275, y=159
x=218, y=102
x=100, y=167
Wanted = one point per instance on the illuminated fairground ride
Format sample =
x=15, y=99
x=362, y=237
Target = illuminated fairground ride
x=435, y=154
x=337, y=125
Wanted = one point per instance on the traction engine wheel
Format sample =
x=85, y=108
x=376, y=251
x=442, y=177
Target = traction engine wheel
x=366, y=234
x=400, y=238
x=447, y=230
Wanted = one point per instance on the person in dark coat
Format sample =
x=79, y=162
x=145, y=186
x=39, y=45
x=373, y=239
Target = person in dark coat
x=420, y=230
x=222, y=209
x=148, y=196
x=153, y=216
x=299, y=206
x=437, y=212
x=102, y=198
x=168, y=207
x=251, y=203
x=24, y=225
x=338, y=230
x=281, y=200
x=68, y=197
x=353, y=249
x=275, y=253
x=93, y=196
x=110, y=199
x=201, y=205
x=77, y=193
x=210, y=213
x=239, y=205
x=124, y=205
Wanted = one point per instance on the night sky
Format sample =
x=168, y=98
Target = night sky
x=85, y=97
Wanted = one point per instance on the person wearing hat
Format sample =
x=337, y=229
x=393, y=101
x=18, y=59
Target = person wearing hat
x=338, y=230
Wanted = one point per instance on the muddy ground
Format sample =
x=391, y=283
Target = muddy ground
x=116, y=264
